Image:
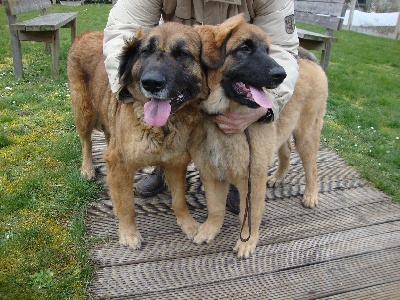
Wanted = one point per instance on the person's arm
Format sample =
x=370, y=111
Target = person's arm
x=276, y=19
x=124, y=19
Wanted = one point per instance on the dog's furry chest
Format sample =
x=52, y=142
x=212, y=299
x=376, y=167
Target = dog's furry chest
x=151, y=145
x=154, y=147
x=227, y=157
x=228, y=154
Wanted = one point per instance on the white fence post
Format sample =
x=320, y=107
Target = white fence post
x=352, y=7
x=397, y=29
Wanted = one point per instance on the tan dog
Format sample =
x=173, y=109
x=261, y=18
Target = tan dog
x=236, y=53
x=163, y=83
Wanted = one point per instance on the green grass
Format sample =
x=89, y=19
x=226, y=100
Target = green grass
x=363, y=119
x=42, y=196
x=362, y=123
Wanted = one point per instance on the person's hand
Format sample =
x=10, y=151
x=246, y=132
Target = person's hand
x=231, y=122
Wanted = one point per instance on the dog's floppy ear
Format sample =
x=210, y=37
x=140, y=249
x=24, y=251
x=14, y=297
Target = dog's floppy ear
x=212, y=46
x=128, y=57
x=214, y=39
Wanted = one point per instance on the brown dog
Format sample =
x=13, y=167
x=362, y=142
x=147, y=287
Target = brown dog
x=235, y=52
x=164, y=82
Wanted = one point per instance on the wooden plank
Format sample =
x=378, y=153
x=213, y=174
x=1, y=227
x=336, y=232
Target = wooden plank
x=387, y=291
x=319, y=20
x=313, y=36
x=325, y=56
x=277, y=229
x=164, y=247
x=16, y=50
x=55, y=54
x=308, y=282
x=36, y=36
x=333, y=172
x=328, y=169
x=320, y=269
x=312, y=45
x=16, y=7
x=324, y=8
x=72, y=25
x=323, y=1
x=45, y=23
x=281, y=202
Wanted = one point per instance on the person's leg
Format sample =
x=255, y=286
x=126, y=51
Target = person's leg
x=151, y=184
x=233, y=200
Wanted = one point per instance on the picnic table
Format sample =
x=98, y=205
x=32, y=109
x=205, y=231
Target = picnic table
x=43, y=28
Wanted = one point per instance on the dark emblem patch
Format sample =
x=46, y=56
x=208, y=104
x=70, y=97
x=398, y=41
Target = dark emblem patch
x=289, y=24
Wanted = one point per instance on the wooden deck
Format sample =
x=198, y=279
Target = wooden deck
x=347, y=248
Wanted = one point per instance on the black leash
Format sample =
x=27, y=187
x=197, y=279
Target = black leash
x=247, y=212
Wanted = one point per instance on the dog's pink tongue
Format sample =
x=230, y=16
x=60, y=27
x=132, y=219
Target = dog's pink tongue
x=156, y=112
x=260, y=97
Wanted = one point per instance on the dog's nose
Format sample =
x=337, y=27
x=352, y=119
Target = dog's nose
x=277, y=74
x=153, y=82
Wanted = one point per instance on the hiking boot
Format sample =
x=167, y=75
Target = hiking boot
x=233, y=200
x=151, y=184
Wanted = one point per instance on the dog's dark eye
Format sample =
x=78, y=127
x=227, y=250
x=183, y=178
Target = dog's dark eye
x=145, y=51
x=181, y=53
x=244, y=48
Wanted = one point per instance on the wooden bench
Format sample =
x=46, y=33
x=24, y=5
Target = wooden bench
x=44, y=28
x=328, y=14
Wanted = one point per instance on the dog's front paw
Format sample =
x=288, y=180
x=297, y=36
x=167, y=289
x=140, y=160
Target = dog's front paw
x=310, y=200
x=245, y=249
x=273, y=181
x=190, y=227
x=132, y=239
x=207, y=232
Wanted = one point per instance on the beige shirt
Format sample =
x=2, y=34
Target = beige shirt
x=270, y=15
